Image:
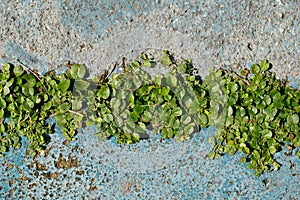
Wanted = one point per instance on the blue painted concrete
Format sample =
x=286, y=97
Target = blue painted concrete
x=150, y=169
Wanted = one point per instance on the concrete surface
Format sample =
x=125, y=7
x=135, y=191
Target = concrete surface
x=230, y=34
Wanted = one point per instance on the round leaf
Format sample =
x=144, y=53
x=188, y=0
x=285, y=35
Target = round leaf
x=18, y=70
x=104, y=92
x=80, y=85
x=2, y=103
x=177, y=111
x=171, y=80
x=254, y=69
x=77, y=71
x=146, y=116
x=267, y=134
x=264, y=65
x=295, y=118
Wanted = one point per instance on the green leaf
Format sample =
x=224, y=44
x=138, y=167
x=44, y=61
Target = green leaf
x=232, y=86
x=174, y=123
x=276, y=166
x=134, y=116
x=167, y=133
x=218, y=73
x=267, y=134
x=30, y=80
x=28, y=105
x=272, y=149
x=2, y=128
x=246, y=150
x=244, y=72
x=2, y=149
x=193, y=106
x=28, y=91
x=135, y=137
x=295, y=118
x=146, y=116
x=47, y=105
x=267, y=99
x=104, y=92
x=170, y=133
x=135, y=63
x=231, y=150
x=6, y=68
x=255, y=69
x=166, y=60
x=108, y=118
x=89, y=123
x=165, y=91
x=276, y=96
x=10, y=82
x=177, y=111
x=147, y=63
x=81, y=85
x=185, y=119
x=77, y=71
x=115, y=104
x=64, y=85
x=76, y=104
x=138, y=109
x=189, y=129
x=215, y=88
x=243, y=159
x=297, y=153
x=18, y=70
x=157, y=79
x=1, y=113
x=63, y=108
x=229, y=111
x=261, y=105
x=2, y=103
x=36, y=99
x=270, y=112
x=182, y=68
x=144, y=56
x=171, y=80
x=242, y=112
x=203, y=119
x=180, y=93
x=141, y=127
x=264, y=65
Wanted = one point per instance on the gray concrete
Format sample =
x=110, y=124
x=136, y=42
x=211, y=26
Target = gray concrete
x=230, y=34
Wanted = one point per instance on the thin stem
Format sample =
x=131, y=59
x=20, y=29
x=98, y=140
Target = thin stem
x=32, y=72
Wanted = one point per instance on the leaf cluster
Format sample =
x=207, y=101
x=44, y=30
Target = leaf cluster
x=254, y=112
x=28, y=100
x=127, y=104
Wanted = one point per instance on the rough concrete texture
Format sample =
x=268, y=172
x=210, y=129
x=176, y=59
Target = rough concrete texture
x=150, y=169
x=234, y=34
x=98, y=33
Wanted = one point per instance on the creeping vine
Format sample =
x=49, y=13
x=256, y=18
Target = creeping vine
x=254, y=112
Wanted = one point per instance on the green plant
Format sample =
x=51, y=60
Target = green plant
x=254, y=112
x=260, y=114
x=28, y=100
x=127, y=103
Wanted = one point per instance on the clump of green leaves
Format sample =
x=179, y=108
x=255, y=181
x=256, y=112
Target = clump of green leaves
x=127, y=104
x=259, y=115
x=27, y=100
x=254, y=112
